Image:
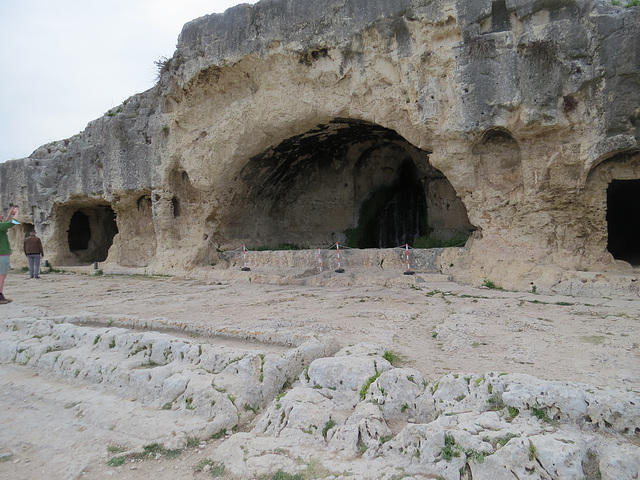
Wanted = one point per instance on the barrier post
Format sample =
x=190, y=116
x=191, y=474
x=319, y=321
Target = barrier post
x=320, y=259
x=339, y=269
x=244, y=259
x=408, y=272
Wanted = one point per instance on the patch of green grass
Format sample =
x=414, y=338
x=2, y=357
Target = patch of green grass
x=193, y=442
x=328, y=426
x=633, y=3
x=234, y=360
x=476, y=455
x=51, y=270
x=217, y=470
x=365, y=388
x=149, y=364
x=116, y=461
x=391, y=357
x=220, y=434
x=541, y=414
x=281, y=246
x=155, y=450
x=429, y=242
x=261, y=378
x=533, y=453
x=282, y=475
x=490, y=284
x=505, y=439
x=450, y=449
x=203, y=463
x=362, y=448
x=114, y=449
x=513, y=412
x=495, y=403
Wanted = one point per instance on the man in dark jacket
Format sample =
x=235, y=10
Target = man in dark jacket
x=34, y=252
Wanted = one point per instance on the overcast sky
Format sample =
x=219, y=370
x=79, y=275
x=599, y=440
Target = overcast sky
x=64, y=63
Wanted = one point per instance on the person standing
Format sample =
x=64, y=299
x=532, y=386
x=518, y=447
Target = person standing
x=34, y=252
x=5, y=250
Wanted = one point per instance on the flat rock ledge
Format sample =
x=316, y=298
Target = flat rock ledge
x=333, y=413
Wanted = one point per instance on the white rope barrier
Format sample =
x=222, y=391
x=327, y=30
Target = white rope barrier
x=244, y=259
x=405, y=252
x=408, y=272
x=339, y=269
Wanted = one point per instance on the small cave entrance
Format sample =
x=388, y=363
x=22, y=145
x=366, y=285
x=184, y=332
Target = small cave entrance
x=623, y=208
x=79, y=232
x=346, y=181
x=91, y=232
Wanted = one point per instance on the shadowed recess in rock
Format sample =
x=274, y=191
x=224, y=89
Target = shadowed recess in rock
x=623, y=207
x=348, y=181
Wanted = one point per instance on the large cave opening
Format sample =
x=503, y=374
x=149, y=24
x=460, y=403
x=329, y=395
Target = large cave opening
x=91, y=232
x=623, y=208
x=346, y=181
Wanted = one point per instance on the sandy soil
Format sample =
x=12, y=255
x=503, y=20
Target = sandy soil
x=435, y=326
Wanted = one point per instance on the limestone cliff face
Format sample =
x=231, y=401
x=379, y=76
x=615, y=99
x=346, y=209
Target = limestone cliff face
x=371, y=122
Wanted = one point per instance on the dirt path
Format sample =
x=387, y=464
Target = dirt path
x=435, y=326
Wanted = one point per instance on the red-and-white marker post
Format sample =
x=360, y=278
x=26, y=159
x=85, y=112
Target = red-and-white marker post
x=244, y=259
x=339, y=269
x=406, y=249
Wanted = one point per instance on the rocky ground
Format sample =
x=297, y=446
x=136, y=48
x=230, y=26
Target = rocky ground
x=244, y=374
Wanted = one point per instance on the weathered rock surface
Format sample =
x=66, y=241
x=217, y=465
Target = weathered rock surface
x=462, y=426
x=352, y=413
x=282, y=122
x=349, y=414
x=212, y=386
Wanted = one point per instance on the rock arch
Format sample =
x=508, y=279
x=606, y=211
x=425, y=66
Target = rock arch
x=346, y=180
x=614, y=189
x=84, y=232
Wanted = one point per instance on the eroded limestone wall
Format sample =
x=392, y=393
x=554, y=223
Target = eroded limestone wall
x=265, y=115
